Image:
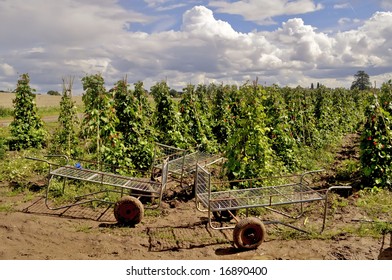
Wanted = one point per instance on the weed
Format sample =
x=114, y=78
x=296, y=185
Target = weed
x=5, y=112
x=156, y=213
x=83, y=228
x=347, y=168
x=375, y=202
x=337, y=202
x=7, y=207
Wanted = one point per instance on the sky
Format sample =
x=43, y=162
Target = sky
x=284, y=42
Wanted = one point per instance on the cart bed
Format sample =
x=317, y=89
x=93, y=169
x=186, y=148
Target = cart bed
x=104, y=178
x=262, y=196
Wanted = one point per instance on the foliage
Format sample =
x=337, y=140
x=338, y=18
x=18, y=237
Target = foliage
x=100, y=123
x=221, y=121
x=15, y=168
x=54, y=92
x=301, y=113
x=376, y=142
x=376, y=202
x=134, y=115
x=66, y=138
x=280, y=132
x=5, y=112
x=194, y=111
x=249, y=152
x=361, y=81
x=27, y=128
x=3, y=148
x=166, y=118
x=261, y=130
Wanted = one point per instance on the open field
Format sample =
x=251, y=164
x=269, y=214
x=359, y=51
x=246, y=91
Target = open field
x=43, y=100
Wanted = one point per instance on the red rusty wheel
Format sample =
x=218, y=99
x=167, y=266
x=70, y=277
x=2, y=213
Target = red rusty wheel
x=249, y=233
x=128, y=211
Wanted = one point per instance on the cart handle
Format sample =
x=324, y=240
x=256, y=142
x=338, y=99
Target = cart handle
x=48, y=162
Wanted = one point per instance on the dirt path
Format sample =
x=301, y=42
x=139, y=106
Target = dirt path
x=176, y=232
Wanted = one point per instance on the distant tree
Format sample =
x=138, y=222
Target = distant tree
x=173, y=93
x=361, y=81
x=54, y=92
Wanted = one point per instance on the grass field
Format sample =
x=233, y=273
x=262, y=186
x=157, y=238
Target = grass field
x=43, y=101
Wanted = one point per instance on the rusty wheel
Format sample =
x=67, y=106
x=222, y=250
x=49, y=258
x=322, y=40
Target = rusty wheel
x=249, y=233
x=128, y=211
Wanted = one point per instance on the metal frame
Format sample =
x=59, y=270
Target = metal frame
x=139, y=187
x=296, y=192
x=181, y=163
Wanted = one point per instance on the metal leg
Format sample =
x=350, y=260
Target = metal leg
x=326, y=201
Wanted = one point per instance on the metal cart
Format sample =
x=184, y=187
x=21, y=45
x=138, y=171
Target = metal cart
x=128, y=208
x=250, y=232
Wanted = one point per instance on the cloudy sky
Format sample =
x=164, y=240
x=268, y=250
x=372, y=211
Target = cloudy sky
x=286, y=42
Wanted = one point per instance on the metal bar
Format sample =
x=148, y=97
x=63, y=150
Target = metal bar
x=326, y=202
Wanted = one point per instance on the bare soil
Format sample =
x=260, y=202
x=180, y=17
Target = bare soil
x=177, y=231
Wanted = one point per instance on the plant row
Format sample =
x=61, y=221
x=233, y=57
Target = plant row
x=260, y=130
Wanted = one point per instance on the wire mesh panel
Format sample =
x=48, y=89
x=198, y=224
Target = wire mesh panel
x=140, y=184
x=263, y=196
x=202, y=158
x=251, y=193
x=181, y=163
x=163, y=152
x=202, y=185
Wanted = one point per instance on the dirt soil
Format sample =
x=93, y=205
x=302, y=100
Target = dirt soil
x=177, y=231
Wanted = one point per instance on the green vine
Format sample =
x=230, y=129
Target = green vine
x=27, y=128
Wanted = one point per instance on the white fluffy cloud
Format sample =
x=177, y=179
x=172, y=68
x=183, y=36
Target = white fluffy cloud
x=262, y=11
x=6, y=69
x=78, y=37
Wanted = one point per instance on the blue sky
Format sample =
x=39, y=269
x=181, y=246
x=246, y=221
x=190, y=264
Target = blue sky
x=325, y=15
x=285, y=42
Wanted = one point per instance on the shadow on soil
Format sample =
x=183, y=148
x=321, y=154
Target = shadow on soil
x=196, y=235
x=102, y=214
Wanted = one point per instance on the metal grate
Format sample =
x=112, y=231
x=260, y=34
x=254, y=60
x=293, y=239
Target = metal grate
x=261, y=196
x=140, y=184
x=182, y=162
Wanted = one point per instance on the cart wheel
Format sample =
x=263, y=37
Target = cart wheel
x=249, y=233
x=224, y=216
x=128, y=210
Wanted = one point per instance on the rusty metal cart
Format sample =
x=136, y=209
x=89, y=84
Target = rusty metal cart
x=128, y=209
x=250, y=232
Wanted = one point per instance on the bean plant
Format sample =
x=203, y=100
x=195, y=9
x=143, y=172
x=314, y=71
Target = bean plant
x=66, y=140
x=27, y=128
